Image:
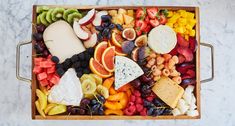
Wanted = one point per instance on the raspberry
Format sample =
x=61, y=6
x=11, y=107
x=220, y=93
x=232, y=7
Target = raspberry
x=139, y=107
x=138, y=100
x=130, y=110
x=130, y=104
x=150, y=98
x=137, y=93
x=132, y=98
x=144, y=112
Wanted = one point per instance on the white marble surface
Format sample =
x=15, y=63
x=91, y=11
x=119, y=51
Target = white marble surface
x=217, y=28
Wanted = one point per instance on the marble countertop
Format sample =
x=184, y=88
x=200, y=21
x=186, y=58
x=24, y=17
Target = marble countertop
x=217, y=28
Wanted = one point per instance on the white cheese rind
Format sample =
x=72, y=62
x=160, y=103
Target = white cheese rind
x=68, y=91
x=126, y=70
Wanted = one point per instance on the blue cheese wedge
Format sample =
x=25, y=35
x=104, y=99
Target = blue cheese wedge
x=126, y=70
x=68, y=91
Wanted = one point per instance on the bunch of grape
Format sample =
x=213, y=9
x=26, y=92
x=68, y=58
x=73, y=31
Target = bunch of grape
x=78, y=61
x=40, y=46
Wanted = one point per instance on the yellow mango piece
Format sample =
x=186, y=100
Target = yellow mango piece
x=186, y=32
x=127, y=19
x=112, y=13
x=58, y=109
x=40, y=111
x=122, y=11
x=49, y=107
x=169, y=24
x=130, y=13
x=180, y=30
x=188, y=27
x=175, y=17
x=44, y=90
x=192, y=33
x=42, y=99
x=190, y=15
x=182, y=21
x=170, y=14
x=192, y=22
x=176, y=25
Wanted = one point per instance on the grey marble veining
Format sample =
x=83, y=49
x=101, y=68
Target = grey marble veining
x=217, y=28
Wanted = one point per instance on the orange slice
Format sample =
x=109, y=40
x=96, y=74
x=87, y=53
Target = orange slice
x=99, y=51
x=108, y=58
x=117, y=39
x=98, y=69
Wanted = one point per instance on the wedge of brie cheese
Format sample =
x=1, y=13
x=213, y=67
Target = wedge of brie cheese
x=68, y=91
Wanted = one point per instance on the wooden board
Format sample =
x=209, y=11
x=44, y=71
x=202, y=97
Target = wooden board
x=35, y=114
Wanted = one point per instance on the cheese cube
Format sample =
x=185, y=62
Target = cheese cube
x=168, y=91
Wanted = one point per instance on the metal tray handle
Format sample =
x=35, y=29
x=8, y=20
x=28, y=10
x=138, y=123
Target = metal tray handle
x=212, y=62
x=18, y=76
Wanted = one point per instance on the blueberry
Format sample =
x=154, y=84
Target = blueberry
x=109, y=35
x=105, y=24
x=91, y=51
x=86, y=71
x=55, y=59
x=106, y=18
x=74, y=58
x=100, y=37
x=105, y=32
x=60, y=72
x=77, y=64
x=81, y=56
x=119, y=27
x=99, y=28
x=167, y=111
x=150, y=111
x=111, y=26
x=93, y=102
x=101, y=111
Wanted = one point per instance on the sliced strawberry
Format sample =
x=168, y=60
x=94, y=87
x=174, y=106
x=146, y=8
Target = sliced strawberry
x=181, y=58
x=191, y=73
x=147, y=29
x=138, y=32
x=152, y=12
x=163, y=19
x=140, y=25
x=174, y=51
x=146, y=20
x=186, y=52
x=181, y=41
x=192, y=44
x=154, y=22
x=140, y=14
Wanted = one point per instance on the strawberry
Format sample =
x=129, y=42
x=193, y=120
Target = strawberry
x=140, y=14
x=146, y=20
x=163, y=19
x=181, y=41
x=152, y=12
x=138, y=32
x=147, y=29
x=186, y=52
x=154, y=22
x=140, y=25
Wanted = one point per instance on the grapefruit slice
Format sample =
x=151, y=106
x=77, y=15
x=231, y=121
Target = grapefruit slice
x=98, y=69
x=108, y=58
x=99, y=51
x=118, y=50
x=117, y=39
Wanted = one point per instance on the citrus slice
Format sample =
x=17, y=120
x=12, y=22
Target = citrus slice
x=118, y=50
x=98, y=68
x=99, y=50
x=108, y=58
x=117, y=39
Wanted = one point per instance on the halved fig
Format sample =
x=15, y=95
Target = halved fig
x=97, y=21
x=127, y=46
x=192, y=44
x=182, y=68
x=141, y=41
x=91, y=42
x=134, y=54
x=82, y=34
x=129, y=34
x=88, y=18
x=186, y=52
x=181, y=41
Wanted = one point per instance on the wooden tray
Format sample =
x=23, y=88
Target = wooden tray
x=34, y=83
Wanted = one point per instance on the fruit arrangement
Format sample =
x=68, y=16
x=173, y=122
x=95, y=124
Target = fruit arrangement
x=115, y=62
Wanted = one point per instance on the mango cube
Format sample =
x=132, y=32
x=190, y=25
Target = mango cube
x=192, y=33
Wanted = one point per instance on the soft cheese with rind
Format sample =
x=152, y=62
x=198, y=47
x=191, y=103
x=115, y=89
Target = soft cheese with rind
x=168, y=91
x=68, y=91
x=126, y=70
x=61, y=40
x=162, y=39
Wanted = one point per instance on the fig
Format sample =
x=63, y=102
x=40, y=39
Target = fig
x=134, y=54
x=143, y=52
x=141, y=41
x=186, y=52
x=127, y=46
x=129, y=34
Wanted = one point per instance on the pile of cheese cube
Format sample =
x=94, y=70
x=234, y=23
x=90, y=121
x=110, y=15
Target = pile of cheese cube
x=182, y=22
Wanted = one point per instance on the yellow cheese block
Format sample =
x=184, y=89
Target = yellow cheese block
x=168, y=91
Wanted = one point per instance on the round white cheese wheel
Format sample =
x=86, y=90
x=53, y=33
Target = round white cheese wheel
x=162, y=39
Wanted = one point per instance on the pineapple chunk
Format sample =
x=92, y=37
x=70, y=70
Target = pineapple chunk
x=130, y=13
x=122, y=11
x=131, y=25
x=127, y=19
x=112, y=13
x=118, y=19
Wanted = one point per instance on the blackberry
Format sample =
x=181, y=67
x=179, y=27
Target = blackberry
x=60, y=72
x=74, y=58
x=81, y=56
x=55, y=59
x=77, y=64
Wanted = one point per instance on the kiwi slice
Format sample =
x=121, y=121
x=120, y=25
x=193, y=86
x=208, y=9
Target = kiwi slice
x=48, y=16
x=43, y=18
x=72, y=16
x=38, y=19
x=88, y=86
x=87, y=76
x=40, y=9
x=57, y=13
x=67, y=12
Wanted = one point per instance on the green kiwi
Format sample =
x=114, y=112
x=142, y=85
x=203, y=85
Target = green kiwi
x=72, y=16
x=43, y=18
x=67, y=12
x=40, y=9
x=38, y=19
x=57, y=13
x=48, y=16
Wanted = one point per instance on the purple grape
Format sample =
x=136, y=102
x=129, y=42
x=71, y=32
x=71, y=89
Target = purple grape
x=135, y=83
x=144, y=78
x=81, y=111
x=84, y=102
x=45, y=53
x=40, y=28
x=38, y=37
